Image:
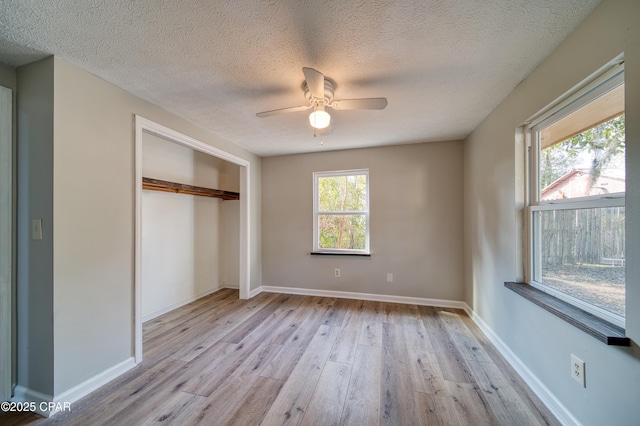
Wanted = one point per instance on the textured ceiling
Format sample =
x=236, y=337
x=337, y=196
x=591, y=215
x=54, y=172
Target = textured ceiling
x=442, y=64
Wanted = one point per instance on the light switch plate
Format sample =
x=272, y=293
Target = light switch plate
x=36, y=229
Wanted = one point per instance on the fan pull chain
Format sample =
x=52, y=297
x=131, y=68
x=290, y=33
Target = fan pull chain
x=315, y=129
x=316, y=135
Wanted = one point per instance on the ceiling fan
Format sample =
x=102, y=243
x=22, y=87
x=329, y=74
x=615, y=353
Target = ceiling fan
x=319, y=90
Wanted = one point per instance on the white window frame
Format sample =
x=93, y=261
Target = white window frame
x=317, y=212
x=609, y=77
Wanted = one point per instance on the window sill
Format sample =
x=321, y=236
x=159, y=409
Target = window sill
x=328, y=253
x=600, y=329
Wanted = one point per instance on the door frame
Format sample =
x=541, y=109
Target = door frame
x=143, y=125
x=6, y=243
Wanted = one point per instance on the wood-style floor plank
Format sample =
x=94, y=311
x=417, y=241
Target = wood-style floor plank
x=470, y=407
x=283, y=359
x=286, y=360
x=504, y=402
x=171, y=409
x=345, y=347
x=362, y=405
x=210, y=375
x=396, y=393
x=436, y=410
x=164, y=331
x=466, y=343
x=450, y=360
x=290, y=406
x=327, y=403
x=200, y=338
x=336, y=313
x=228, y=396
x=162, y=324
x=426, y=374
x=255, y=404
x=514, y=380
x=371, y=333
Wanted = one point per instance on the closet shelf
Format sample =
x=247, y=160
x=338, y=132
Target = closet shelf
x=180, y=188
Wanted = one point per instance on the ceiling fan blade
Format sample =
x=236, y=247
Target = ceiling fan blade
x=315, y=82
x=283, y=111
x=364, y=103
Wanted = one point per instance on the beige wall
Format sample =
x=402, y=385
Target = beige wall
x=493, y=230
x=93, y=207
x=416, y=222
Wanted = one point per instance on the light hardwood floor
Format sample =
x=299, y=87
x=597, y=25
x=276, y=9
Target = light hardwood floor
x=282, y=359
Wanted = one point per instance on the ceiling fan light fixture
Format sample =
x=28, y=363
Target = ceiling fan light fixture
x=319, y=119
x=318, y=90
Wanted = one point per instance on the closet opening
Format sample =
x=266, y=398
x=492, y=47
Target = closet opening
x=192, y=204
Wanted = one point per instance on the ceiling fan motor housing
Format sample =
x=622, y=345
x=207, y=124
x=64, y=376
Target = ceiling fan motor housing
x=329, y=90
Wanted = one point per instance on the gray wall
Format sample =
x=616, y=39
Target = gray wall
x=35, y=200
x=7, y=236
x=8, y=76
x=415, y=214
x=493, y=229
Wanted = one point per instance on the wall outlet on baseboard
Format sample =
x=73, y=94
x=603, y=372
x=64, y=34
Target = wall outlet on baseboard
x=336, y=272
x=389, y=277
x=577, y=370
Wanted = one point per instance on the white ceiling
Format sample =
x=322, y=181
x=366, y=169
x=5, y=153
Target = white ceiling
x=444, y=65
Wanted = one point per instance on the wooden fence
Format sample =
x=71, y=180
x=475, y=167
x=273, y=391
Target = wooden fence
x=584, y=236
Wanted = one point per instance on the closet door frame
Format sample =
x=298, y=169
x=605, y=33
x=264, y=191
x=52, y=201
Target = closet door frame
x=143, y=125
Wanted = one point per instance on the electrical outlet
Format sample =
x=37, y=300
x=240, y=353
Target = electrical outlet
x=336, y=273
x=577, y=370
x=389, y=277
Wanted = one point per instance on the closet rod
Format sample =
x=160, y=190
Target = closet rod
x=180, y=188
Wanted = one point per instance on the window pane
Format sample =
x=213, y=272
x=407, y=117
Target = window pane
x=588, y=163
x=582, y=254
x=582, y=154
x=339, y=231
x=342, y=193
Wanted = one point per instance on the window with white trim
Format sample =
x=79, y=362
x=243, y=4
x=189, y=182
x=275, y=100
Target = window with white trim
x=576, y=161
x=341, y=212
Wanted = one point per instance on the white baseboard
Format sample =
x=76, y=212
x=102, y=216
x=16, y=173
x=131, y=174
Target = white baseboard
x=88, y=386
x=443, y=303
x=151, y=315
x=47, y=406
x=38, y=399
x=546, y=396
x=234, y=286
x=255, y=292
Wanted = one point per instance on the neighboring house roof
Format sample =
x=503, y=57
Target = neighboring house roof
x=571, y=176
x=558, y=182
